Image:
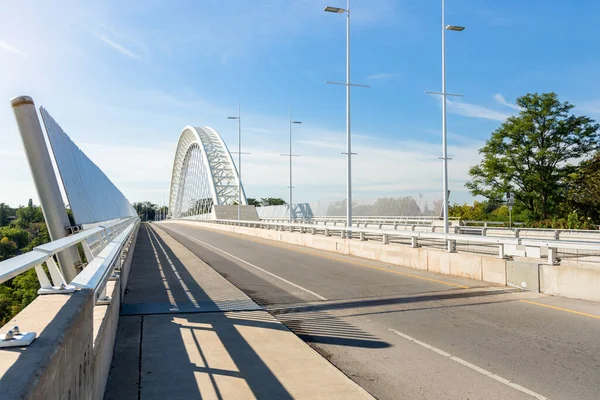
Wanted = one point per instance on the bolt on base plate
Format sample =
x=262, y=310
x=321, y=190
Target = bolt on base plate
x=19, y=340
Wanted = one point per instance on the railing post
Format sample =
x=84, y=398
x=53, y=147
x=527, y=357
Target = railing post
x=551, y=255
x=413, y=242
x=385, y=239
x=362, y=236
x=327, y=232
x=45, y=180
x=451, y=246
x=501, y=250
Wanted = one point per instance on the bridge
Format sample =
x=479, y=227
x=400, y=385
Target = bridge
x=223, y=301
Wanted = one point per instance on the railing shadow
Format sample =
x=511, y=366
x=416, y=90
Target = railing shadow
x=203, y=351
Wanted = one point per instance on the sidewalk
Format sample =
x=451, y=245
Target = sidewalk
x=185, y=332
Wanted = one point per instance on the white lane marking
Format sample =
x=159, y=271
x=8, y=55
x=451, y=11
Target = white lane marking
x=472, y=366
x=181, y=282
x=250, y=264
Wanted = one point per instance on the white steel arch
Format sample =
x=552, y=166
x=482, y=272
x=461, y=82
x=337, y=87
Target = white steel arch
x=204, y=174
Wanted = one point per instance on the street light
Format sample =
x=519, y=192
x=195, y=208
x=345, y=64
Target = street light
x=290, y=155
x=239, y=120
x=444, y=95
x=338, y=10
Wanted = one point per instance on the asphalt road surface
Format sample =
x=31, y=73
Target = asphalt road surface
x=407, y=334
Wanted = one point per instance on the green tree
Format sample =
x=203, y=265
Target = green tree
x=272, y=201
x=28, y=215
x=8, y=248
x=18, y=235
x=584, y=189
x=253, y=202
x=532, y=154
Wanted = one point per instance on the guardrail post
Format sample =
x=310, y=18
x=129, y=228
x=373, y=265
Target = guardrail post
x=413, y=242
x=385, y=239
x=313, y=231
x=501, y=251
x=362, y=236
x=45, y=180
x=327, y=232
x=556, y=235
x=551, y=255
x=483, y=231
x=343, y=234
x=451, y=246
x=517, y=232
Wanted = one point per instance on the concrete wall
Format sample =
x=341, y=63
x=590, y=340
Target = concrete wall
x=528, y=274
x=58, y=364
x=71, y=356
x=248, y=213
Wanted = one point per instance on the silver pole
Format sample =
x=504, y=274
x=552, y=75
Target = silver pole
x=444, y=133
x=290, y=206
x=239, y=162
x=348, y=137
x=45, y=180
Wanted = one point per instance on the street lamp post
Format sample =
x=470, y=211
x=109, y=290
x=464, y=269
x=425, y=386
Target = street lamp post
x=445, y=192
x=290, y=155
x=239, y=152
x=338, y=10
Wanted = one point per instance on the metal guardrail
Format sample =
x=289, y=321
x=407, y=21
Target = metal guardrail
x=102, y=246
x=505, y=246
x=421, y=224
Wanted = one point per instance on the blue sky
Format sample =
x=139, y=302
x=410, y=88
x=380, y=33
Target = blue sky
x=124, y=78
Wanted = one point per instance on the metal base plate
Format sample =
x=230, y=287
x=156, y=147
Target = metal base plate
x=20, y=340
x=58, y=290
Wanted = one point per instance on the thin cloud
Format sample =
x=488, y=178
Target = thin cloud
x=592, y=107
x=118, y=47
x=11, y=49
x=383, y=76
x=501, y=100
x=473, y=110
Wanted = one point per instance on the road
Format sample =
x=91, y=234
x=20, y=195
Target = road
x=404, y=333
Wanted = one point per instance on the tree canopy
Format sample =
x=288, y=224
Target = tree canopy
x=534, y=153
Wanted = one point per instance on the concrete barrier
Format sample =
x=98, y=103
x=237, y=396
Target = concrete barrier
x=569, y=281
x=58, y=364
x=71, y=356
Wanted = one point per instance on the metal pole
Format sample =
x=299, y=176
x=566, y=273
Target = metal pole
x=290, y=206
x=239, y=162
x=444, y=133
x=45, y=180
x=348, y=138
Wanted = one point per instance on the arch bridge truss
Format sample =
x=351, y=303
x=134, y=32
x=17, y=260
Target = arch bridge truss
x=204, y=174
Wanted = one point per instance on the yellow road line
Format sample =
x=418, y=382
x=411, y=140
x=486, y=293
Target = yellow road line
x=289, y=247
x=561, y=309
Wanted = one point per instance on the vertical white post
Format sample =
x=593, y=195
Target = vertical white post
x=45, y=180
x=444, y=133
x=348, y=137
x=290, y=205
x=239, y=162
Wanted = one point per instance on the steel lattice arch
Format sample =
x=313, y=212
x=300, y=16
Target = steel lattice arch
x=204, y=174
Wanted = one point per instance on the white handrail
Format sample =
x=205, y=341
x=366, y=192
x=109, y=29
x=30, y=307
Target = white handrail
x=116, y=231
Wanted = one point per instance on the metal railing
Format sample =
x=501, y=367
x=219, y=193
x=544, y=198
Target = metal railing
x=587, y=251
x=103, y=246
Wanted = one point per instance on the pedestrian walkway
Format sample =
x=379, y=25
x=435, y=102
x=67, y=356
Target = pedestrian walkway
x=185, y=332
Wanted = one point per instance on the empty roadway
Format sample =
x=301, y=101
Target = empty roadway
x=405, y=333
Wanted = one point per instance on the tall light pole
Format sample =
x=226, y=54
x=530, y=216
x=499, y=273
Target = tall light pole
x=239, y=152
x=290, y=155
x=338, y=10
x=444, y=95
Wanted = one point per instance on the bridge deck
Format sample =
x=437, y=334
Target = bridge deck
x=400, y=333
x=185, y=332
